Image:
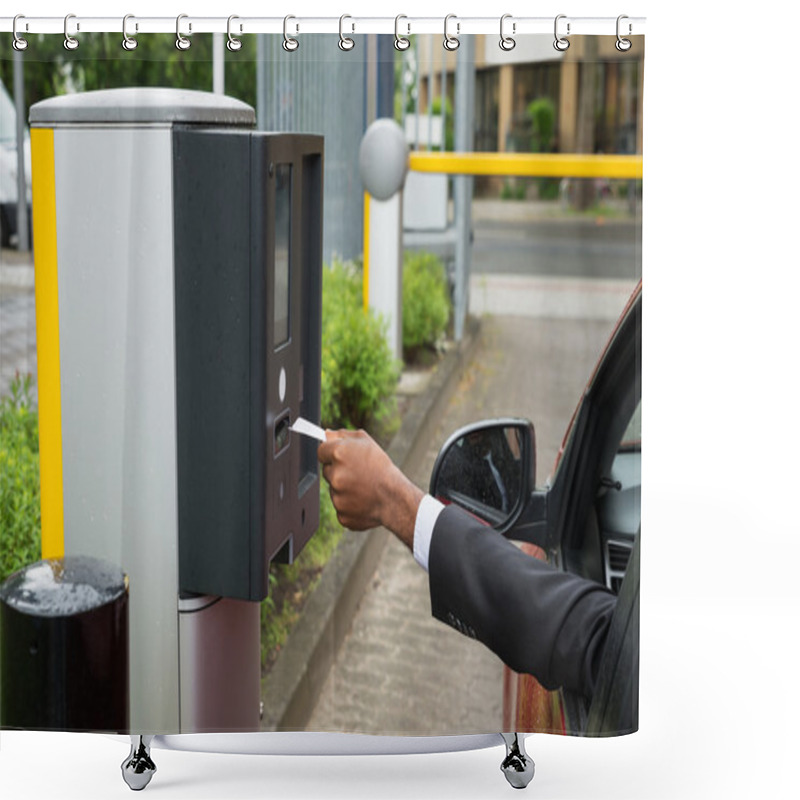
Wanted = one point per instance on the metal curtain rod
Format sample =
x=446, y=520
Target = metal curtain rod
x=516, y=26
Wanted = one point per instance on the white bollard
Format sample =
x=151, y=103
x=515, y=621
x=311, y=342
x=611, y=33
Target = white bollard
x=383, y=164
x=385, y=267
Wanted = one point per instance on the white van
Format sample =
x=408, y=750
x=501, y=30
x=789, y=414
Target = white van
x=9, y=170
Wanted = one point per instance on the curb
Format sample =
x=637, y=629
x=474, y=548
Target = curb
x=292, y=688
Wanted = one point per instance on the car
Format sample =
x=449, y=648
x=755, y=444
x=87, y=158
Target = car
x=585, y=520
x=9, y=169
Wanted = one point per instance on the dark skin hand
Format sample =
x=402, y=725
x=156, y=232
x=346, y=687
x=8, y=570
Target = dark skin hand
x=367, y=489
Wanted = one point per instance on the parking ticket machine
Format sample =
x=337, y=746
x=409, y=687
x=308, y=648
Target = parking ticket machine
x=178, y=292
x=247, y=344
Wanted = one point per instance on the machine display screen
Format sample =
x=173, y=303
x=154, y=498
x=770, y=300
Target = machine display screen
x=283, y=236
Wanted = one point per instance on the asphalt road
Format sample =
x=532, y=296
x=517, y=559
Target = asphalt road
x=591, y=247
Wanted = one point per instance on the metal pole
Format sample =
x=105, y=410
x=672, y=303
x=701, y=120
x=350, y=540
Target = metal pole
x=261, y=82
x=23, y=240
x=462, y=195
x=219, y=62
x=444, y=100
x=404, y=67
x=416, y=99
x=372, y=79
x=430, y=92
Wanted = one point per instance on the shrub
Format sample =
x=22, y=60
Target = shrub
x=426, y=302
x=449, y=134
x=20, y=516
x=542, y=114
x=359, y=374
x=513, y=189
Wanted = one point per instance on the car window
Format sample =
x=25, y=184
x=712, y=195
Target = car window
x=633, y=433
x=619, y=509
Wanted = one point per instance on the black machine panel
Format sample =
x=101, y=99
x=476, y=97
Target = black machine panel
x=248, y=264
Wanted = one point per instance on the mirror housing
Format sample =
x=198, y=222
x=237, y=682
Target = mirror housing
x=488, y=469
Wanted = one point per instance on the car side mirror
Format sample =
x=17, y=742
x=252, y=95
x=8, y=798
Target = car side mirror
x=488, y=469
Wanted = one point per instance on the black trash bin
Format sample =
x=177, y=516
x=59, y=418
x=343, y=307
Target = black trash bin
x=64, y=647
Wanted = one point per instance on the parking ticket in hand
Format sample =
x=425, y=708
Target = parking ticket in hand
x=306, y=428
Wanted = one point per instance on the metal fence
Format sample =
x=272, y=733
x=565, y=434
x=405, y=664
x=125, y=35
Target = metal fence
x=320, y=89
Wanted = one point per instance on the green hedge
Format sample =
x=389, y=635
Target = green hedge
x=426, y=302
x=359, y=374
x=20, y=515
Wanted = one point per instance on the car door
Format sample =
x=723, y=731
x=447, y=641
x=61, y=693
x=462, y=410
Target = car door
x=593, y=519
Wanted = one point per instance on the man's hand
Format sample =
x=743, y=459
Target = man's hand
x=367, y=489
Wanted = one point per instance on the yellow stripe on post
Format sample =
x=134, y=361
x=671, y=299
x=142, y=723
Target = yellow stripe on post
x=366, y=250
x=546, y=165
x=47, y=341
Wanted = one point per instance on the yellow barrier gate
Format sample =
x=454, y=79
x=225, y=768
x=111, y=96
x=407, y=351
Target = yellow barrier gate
x=540, y=165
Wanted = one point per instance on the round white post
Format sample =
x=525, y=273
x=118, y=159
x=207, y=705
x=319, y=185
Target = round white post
x=383, y=164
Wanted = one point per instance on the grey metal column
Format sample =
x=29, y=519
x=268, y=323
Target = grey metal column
x=115, y=161
x=416, y=99
x=430, y=92
x=462, y=194
x=443, y=93
x=371, y=110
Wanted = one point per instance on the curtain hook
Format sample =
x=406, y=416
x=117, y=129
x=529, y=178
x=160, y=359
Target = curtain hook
x=70, y=42
x=400, y=42
x=623, y=45
x=233, y=44
x=451, y=42
x=128, y=42
x=181, y=42
x=560, y=43
x=290, y=44
x=345, y=42
x=18, y=43
x=507, y=42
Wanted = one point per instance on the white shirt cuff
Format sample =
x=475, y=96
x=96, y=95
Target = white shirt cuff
x=427, y=514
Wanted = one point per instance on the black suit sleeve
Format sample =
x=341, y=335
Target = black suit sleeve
x=537, y=619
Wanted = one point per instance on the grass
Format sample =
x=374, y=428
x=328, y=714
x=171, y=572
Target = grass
x=20, y=516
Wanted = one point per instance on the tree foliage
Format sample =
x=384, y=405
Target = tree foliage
x=100, y=62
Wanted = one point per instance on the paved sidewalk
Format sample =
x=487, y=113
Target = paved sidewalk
x=399, y=671
x=17, y=319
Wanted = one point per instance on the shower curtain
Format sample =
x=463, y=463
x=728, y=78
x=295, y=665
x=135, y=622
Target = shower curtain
x=521, y=298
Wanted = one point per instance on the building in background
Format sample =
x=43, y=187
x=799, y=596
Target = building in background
x=595, y=91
